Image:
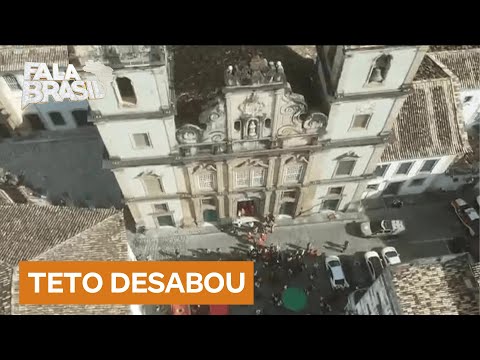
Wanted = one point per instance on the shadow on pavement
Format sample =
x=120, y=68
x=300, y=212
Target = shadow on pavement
x=333, y=246
x=353, y=229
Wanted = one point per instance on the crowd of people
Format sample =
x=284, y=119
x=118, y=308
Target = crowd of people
x=280, y=269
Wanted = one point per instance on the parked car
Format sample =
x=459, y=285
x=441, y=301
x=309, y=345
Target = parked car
x=246, y=222
x=390, y=256
x=374, y=264
x=467, y=215
x=382, y=228
x=335, y=273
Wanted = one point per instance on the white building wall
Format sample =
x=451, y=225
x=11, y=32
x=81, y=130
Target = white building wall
x=65, y=108
x=471, y=107
x=118, y=137
x=326, y=163
x=13, y=99
x=376, y=300
x=357, y=66
x=321, y=192
x=132, y=186
x=151, y=90
x=342, y=114
x=414, y=173
x=146, y=210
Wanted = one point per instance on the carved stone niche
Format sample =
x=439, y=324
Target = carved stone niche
x=189, y=134
x=315, y=122
x=253, y=116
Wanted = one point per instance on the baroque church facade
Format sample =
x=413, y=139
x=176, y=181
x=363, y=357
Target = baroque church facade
x=257, y=148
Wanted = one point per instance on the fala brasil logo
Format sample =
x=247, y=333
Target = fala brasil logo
x=39, y=83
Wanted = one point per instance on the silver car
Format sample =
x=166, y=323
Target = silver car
x=382, y=228
x=335, y=273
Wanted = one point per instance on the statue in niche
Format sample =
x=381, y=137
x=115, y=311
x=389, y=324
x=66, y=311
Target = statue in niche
x=252, y=128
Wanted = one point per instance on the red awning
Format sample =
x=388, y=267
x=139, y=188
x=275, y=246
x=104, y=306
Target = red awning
x=181, y=310
x=218, y=309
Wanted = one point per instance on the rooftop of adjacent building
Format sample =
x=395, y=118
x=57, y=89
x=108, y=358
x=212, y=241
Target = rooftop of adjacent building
x=437, y=286
x=429, y=123
x=53, y=233
x=429, y=70
x=462, y=61
x=14, y=57
x=435, y=48
x=200, y=72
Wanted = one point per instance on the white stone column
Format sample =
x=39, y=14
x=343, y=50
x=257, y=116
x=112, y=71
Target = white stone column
x=306, y=175
x=197, y=209
x=220, y=177
x=267, y=201
x=221, y=207
x=276, y=205
x=228, y=115
x=271, y=172
x=188, y=220
x=281, y=168
x=191, y=180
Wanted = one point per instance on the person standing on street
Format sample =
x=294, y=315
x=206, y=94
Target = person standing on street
x=345, y=245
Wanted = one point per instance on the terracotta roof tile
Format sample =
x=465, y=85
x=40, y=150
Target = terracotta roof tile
x=14, y=193
x=105, y=241
x=26, y=231
x=445, y=286
x=52, y=233
x=429, y=70
x=476, y=272
x=13, y=58
x=465, y=64
x=5, y=288
x=428, y=124
x=436, y=48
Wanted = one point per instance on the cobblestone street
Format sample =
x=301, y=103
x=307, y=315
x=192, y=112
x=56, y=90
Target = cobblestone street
x=430, y=225
x=152, y=246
